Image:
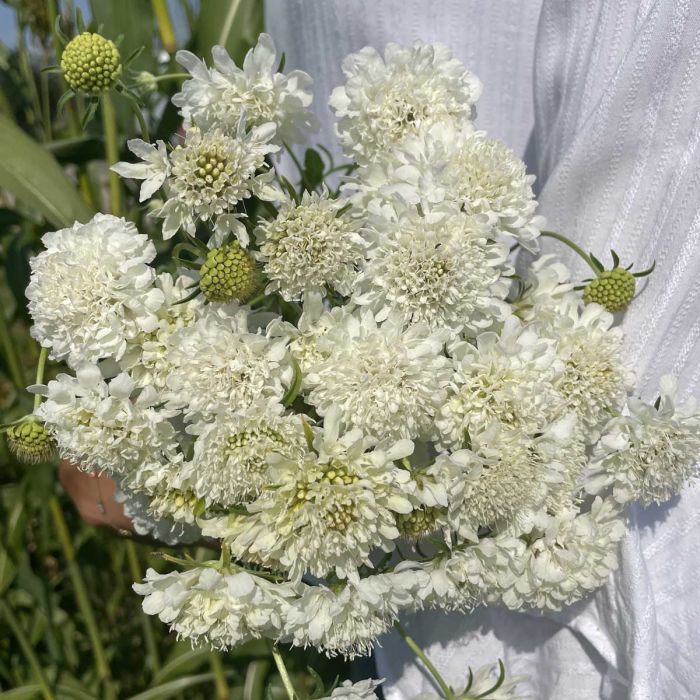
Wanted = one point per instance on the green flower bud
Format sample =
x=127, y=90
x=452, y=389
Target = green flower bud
x=418, y=523
x=147, y=81
x=229, y=274
x=91, y=63
x=30, y=442
x=612, y=289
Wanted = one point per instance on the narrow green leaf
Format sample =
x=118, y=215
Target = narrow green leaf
x=313, y=169
x=32, y=174
x=254, y=687
x=295, y=386
x=167, y=690
x=25, y=692
x=185, y=663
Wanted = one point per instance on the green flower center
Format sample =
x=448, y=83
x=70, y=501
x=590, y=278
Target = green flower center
x=613, y=289
x=229, y=274
x=30, y=442
x=91, y=63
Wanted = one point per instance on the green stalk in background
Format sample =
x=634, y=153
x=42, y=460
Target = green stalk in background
x=165, y=25
x=109, y=123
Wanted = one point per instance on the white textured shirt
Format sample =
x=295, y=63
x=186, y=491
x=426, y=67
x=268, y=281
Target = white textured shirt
x=602, y=98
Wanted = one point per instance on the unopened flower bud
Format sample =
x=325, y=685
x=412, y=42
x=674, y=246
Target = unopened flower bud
x=91, y=63
x=30, y=442
x=612, y=289
x=229, y=274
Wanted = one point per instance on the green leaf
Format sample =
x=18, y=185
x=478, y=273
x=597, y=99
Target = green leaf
x=31, y=173
x=254, y=687
x=313, y=169
x=295, y=386
x=167, y=690
x=25, y=692
x=187, y=662
x=234, y=24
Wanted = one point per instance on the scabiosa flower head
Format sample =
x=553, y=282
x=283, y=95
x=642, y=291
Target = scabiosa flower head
x=504, y=475
x=388, y=382
x=229, y=274
x=386, y=99
x=595, y=381
x=348, y=620
x=567, y=557
x=364, y=690
x=30, y=442
x=548, y=284
x=451, y=163
x=99, y=426
x=92, y=289
x=229, y=464
x=91, y=63
x=651, y=453
x=216, y=608
x=218, y=366
x=506, y=377
x=439, y=269
x=205, y=177
x=612, y=289
x=310, y=246
x=219, y=97
x=329, y=508
x=315, y=322
x=146, y=354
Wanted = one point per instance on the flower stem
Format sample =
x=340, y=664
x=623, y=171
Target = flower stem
x=41, y=366
x=579, y=251
x=32, y=660
x=411, y=643
x=282, y=670
x=165, y=25
x=220, y=684
x=109, y=123
x=80, y=590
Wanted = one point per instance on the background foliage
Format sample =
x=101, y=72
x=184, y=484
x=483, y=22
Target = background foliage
x=71, y=627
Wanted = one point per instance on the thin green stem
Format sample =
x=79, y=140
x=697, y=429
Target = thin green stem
x=14, y=367
x=563, y=239
x=220, y=684
x=41, y=366
x=171, y=76
x=165, y=25
x=284, y=674
x=109, y=124
x=80, y=590
x=152, y=659
x=27, y=650
x=410, y=642
x=228, y=22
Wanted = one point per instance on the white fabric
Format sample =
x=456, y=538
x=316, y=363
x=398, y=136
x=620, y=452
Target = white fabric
x=616, y=87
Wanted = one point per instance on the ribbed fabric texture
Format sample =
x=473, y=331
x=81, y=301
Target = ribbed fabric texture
x=616, y=91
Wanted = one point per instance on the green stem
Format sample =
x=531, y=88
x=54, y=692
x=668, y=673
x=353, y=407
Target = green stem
x=284, y=674
x=298, y=164
x=80, y=590
x=410, y=642
x=254, y=685
x=27, y=650
x=220, y=684
x=41, y=366
x=109, y=123
x=573, y=246
x=228, y=22
x=165, y=25
x=171, y=76
x=9, y=350
x=149, y=639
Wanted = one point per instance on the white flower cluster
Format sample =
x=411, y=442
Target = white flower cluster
x=394, y=391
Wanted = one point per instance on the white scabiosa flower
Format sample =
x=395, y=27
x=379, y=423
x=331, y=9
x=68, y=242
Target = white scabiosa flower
x=386, y=99
x=595, y=380
x=363, y=690
x=205, y=177
x=219, y=97
x=454, y=164
x=567, y=557
x=229, y=463
x=146, y=354
x=439, y=269
x=310, y=246
x=505, y=474
x=92, y=289
x=547, y=286
x=348, y=619
x=651, y=453
x=153, y=170
x=386, y=381
x=216, y=608
x=100, y=426
x=328, y=510
x=218, y=366
x=506, y=377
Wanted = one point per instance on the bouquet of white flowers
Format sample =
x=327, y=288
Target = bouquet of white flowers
x=350, y=388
